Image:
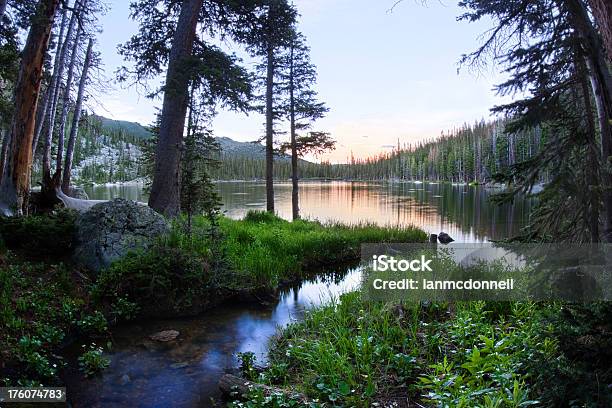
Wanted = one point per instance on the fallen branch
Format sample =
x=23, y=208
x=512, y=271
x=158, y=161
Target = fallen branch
x=236, y=388
x=76, y=203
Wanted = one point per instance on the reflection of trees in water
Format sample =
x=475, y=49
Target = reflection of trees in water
x=462, y=211
x=468, y=208
x=333, y=274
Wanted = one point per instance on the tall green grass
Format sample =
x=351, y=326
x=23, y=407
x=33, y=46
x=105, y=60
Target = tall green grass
x=267, y=250
x=356, y=353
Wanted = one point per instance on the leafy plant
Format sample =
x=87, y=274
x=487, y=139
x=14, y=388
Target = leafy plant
x=92, y=361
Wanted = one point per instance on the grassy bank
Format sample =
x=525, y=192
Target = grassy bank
x=470, y=354
x=47, y=301
x=266, y=250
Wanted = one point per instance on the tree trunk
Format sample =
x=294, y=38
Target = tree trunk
x=40, y=120
x=165, y=191
x=601, y=82
x=270, y=130
x=592, y=170
x=602, y=10
x=15, y=185
x=76, y=119
x=66, y=103
x=294, y=156
x=2, y=8
x=4, y=152
x=58, y=71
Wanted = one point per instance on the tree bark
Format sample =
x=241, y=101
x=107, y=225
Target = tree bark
x=3, y=154
x=15, y=185
x=2, y=8
x=58, y=71
x=66, y=103
x=601, y=83
x=602, y=10
x=270, y=130
x=40, y=120
x=295, y=208
x=75, y=119
x=592, y=170
x=165, y=191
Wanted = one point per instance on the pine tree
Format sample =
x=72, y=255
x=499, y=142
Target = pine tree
x=149, y=50
x=299, y=76
x=269, y=33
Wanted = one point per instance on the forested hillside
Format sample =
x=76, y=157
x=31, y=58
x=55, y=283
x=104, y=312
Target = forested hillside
x=106, y=151
x=472, y=153
x=110, y=151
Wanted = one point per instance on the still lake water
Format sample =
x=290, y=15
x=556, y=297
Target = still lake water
x=185, y=373
x=462, y=211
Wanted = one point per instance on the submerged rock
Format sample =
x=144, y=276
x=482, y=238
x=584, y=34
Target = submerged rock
x=125, y=379
x=165, y=335
x=109, y=230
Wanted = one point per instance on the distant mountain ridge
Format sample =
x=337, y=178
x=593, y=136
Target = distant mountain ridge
x=132, y=128
x=228, y=146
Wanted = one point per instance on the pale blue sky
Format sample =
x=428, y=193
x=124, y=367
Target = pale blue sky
x=384, y=75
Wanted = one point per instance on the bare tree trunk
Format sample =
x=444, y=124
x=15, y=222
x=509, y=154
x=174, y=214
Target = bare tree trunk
x=58, y=71
x=75, y=119
x=602, y=10
x=40, y=120
x=295, y=202
x=2, y=8
x=44, y=110
x=270, y=131
x=66, y=103
x=592, y=173
x=15, y=185
x=3, y=154
x=165, y=191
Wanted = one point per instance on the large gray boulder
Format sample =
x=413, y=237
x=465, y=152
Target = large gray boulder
x=109, y=230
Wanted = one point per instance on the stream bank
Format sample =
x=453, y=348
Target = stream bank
x=50, y=302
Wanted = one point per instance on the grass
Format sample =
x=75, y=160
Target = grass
x=354, y=353
x=265, y=250
x=45, y=299
x=41, y=306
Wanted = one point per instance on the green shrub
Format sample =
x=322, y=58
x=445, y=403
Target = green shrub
x=48, y=235
x=261, y=216
x=161, y=279
x=581, y=375
x=93, y=324
x=31, y=353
